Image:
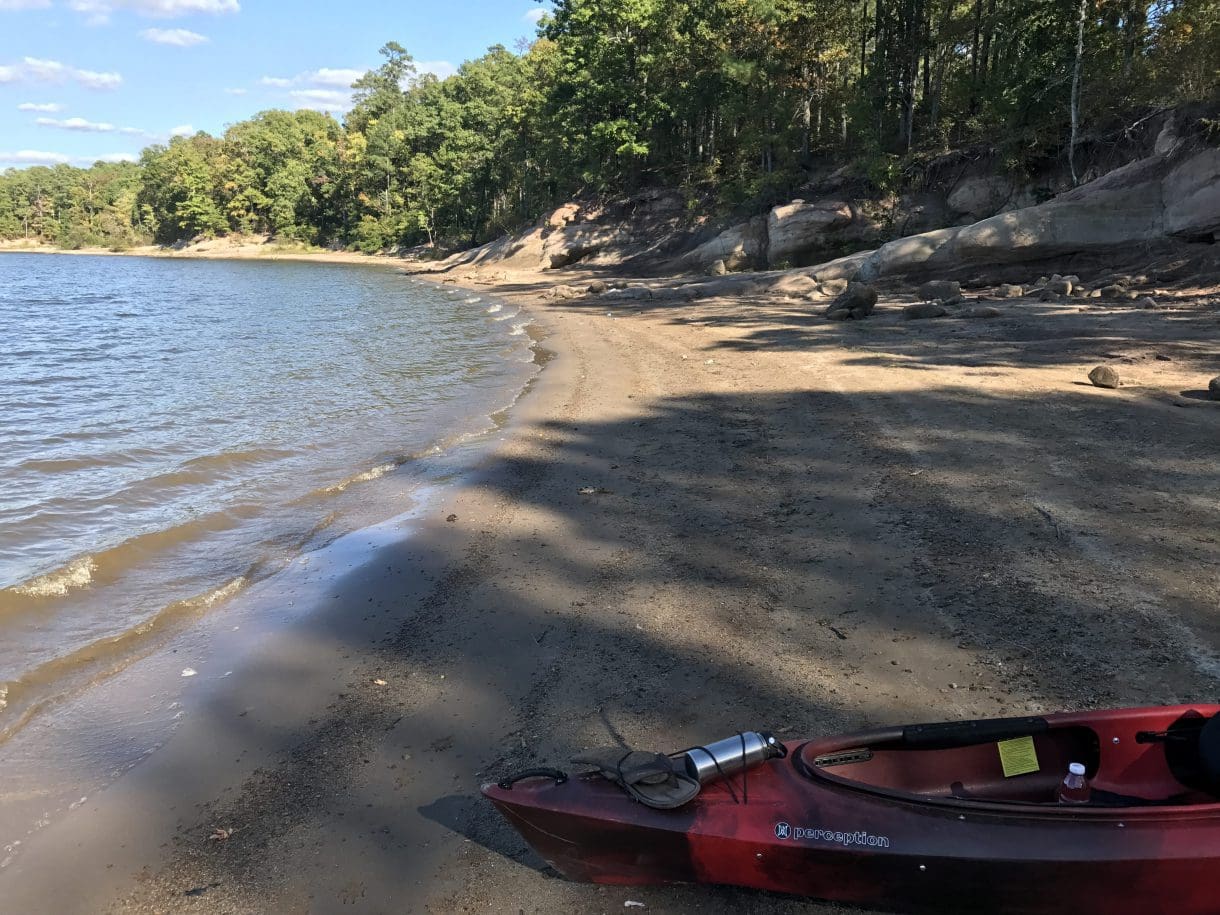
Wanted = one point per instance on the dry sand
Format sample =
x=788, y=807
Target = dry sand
x=799, y=525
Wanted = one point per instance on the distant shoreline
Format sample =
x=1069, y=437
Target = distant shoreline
x=245, y=248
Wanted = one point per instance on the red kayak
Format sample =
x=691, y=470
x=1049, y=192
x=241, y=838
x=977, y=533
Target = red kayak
x=923, y=818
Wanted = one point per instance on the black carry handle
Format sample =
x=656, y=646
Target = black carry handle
x=560, y=777
x=969, y=733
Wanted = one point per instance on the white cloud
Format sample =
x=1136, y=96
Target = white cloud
x=34, y=157
x=26, y=157
x=45, y=107
x=183, y=130
x=99, y=11
x=93, y=80
x=340, y=78
x=79, y=124
x=12, y=6
x=178, y=38
x=39, y=70
x=322, y=99
x=235, y=91
x=324, y=77
x=535, y=15
x=442, y=69
x=324, y=89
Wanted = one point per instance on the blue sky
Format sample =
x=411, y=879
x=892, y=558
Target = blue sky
x=82, y=80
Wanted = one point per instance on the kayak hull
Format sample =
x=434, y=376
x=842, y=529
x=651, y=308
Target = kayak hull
x=829, y=839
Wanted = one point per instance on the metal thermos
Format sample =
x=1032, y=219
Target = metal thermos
x=724, y=757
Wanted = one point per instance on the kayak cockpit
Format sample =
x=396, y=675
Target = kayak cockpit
x=1141, y=758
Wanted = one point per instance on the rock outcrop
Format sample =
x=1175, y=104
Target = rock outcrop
x=797, y=229
x=1176, y=195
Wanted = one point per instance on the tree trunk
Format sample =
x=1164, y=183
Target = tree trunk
x=1076, y=90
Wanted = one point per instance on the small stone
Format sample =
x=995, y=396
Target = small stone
x=597, y=287
x=1147, y=302
x=939, y=290
x=1113, y=291
x=1104, y=377
x=981, y=311
x=1009, y=291
x=1213, y=388
x=1060, y=286
x=922, y=310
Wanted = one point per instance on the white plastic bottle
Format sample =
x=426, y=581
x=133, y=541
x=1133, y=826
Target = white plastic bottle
x=1074, y=789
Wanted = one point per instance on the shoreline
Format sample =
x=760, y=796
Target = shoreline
x=701, y=517
x=219, y=249
x=193, y=631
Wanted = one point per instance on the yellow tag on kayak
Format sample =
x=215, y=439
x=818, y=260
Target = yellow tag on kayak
x=1018, y=756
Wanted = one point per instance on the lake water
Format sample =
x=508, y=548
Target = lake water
x=172, y=431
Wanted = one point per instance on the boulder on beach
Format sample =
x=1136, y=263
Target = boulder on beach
x=1213, y=388
x=597, y=287
x=859, y=300
x=1104, y=377
x=565, y=292
x=921, y=310
x=1059, y=286
x=1009, y=291
x=939, y=290
x=717, y=268
x=980, y=311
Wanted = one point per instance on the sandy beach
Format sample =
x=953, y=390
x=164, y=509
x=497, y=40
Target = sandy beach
x=235, y=247
x=704, y=516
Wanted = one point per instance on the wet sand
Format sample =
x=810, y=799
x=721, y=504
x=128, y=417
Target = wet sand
x=798, y=525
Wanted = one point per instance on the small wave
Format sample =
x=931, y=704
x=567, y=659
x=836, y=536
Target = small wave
x=228, y=459
x=494, y=308
x=364, y=477
x=519, y=329
x=65, y=676
x=76, y=574
x=473, y=300
x=106, y=565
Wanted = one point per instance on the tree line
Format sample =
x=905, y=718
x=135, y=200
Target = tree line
x=734, y=101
